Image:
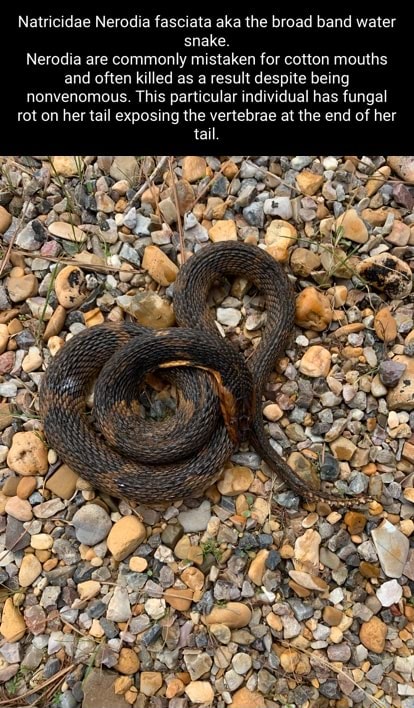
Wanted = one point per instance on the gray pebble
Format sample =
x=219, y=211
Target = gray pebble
x=92, y=524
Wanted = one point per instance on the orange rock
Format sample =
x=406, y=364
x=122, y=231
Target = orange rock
x=385, y=325
x=313, y=310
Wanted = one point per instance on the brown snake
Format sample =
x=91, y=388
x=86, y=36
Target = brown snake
x=216, y=410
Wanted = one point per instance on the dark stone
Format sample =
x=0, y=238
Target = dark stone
x=17, y=537
x=152, y=634
x=83, y=572
x=254, y=214
x=96, y=609
x=205, y=605
x=329, y=469
x=403, y=195
x=330, y=689
x=25, y=339
x=301, y=611
x=390, y=372
x=220, y=187
x=109, y=627
x=273, y=560
x=265, y=540
x=248, y=542
x=60, y=576
x=52, y=666
x=172, y=534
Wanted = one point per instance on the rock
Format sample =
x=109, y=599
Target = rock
x=125, y=167
x=122, y=684
x=125, y=536
x=41, y=541
x=308, y=581
x=185, y=195
x=197, y=665
x=389, y=593
x=400, y=234
x=159, y=266
x=99, y=690
x=149, y=309
x=68, y=287
x=150, y=682
x=168, y=211
x=69, y=232
x=278, y=206
x=26, y=487
x=19, y=508
x=403, y=165
x=12, y=626
x=155, y=608
x=5, y=220
x=385, y=325
x=303, y=262
x=307, y=552
x=63, y=482
x=193, y=168
x=223, y=230
x=39, y=308
x=400, y=373
x=28, y=454
x=104, y=202
x=32, y=361
x=355, y=522
x=179, y=598
x=342, y=448
x=228, y=316
x=388, y=274
x=234, y=615
x=244, y=698
x=20, y=289
x=193, y=578
x=195, y=519
x=258, y=567
x=315, y=362
x=4, y=339
x=332, y=616
x=128, y=662
x=280, y=236
x=392, y=548
x=200, y=692
x=30, y=569
x=119, y=609
x=92, y=524
x=235, y=480
x=313, y=310
x=403, y=195
x=66, y=165
x=335, y=261
x=372, y=635
x=352, y=226
x=309, y=182
x=377, y=180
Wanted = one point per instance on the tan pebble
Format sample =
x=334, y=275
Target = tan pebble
x=387, y=273
x=373, y=634
x=274, y=622
x=400, y=234
x=216, y=208
x=353, y=227
x=26, y=487
x=313, y=310
x=28, y=454
x=122, y=684
x=179, y=598
x=342, y=448
x=137, y=564
x=5, y=219
x=55, y=324
x=407, y=527
x=125, y=536
x=39, y=308
x=182, y=548
x=67, y=231
x=289, y=660
x=235, y=480
x=332, y=616
x=402, y=396
x=44, y=557
x=315, y=362
x=195, y=554
x=193, y=578
x=63, y=482
x=280, y=236
x=55, y=344
x=287, y=551
x=308, y=182
x=149, y=309
x=150, y=196
x=88, y=589
x=303, y=262
x=32, y=361
x=3, y=502
x=20, y=289
x=185, y=195
x=403, y=165
x=377, y=180
x=9, y=487
x=234, y=615
x=13, y=626
x=272, y=412
x=200, y=692
x=385, y=325
x=307, y=551
x=41, y=541
x=408, y=494
x=193, y=168
x=150, y=682
x=175, y=687
x=378, y=217
x=68, y=287
x=93, y=317
x=4, y=337
x=131, y=695
x=244, y=698
x=229, y=169
x=159, y=266
x=308, y=581
x=258, y=566
x=128, y=662
x=261, y=510
x=66, y=165
x=30, y=569
x=19, y=509
x=223, y=230
x=355, y=522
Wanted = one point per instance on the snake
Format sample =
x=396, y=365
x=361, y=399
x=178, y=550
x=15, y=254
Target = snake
x=219, y=392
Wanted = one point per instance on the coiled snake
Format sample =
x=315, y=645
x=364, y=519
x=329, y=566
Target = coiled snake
x=219, y=397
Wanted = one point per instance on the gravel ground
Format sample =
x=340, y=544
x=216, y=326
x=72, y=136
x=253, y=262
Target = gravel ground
x=247, y=597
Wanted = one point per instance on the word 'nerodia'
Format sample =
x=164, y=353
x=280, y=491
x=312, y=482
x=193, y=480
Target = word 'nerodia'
x=218, y=400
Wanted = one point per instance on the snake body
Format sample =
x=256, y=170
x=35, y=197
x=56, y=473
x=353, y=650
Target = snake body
x=219, y=400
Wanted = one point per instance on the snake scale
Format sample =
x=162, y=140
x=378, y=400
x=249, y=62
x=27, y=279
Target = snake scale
x=219, y=392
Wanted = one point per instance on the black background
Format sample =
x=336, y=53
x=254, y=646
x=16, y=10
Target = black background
x=247, y=138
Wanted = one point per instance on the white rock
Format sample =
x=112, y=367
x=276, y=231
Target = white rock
x=392, y=548
x=389, y=593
